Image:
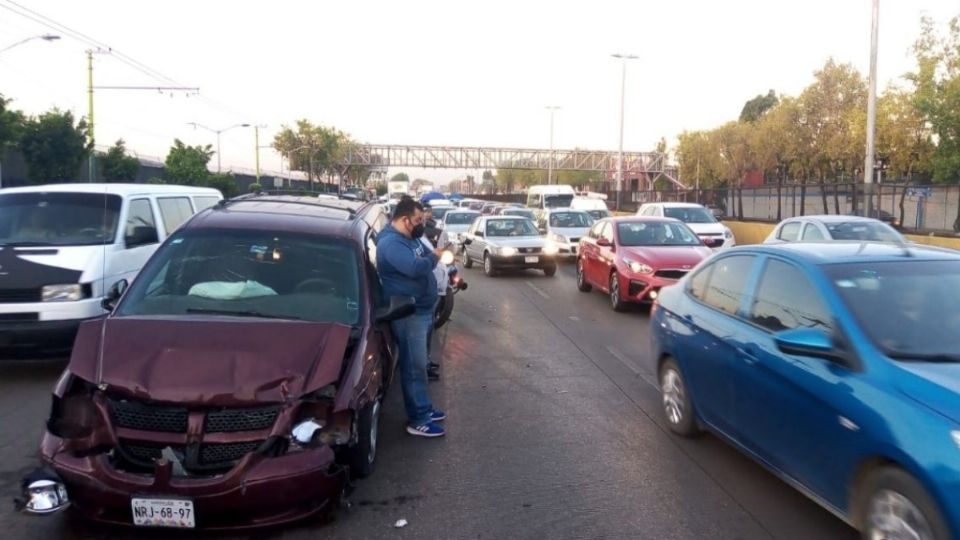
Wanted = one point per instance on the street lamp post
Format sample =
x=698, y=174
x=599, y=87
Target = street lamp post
x=871, y=111
x=623, y=90
x=218, y=132
x=552, y=109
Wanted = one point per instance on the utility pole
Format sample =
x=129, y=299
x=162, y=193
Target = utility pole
x=91, y=167
x=552, y=109
x=623, y=92
x=256, y=138
x=868, y=168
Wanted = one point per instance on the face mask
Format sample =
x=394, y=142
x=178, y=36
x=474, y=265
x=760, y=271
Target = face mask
x=418, y=230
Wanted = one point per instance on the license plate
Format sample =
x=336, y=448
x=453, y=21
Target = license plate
x=531, y=259
x=177, y=513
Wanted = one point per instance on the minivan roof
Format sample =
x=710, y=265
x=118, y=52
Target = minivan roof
x=558, y=188
x=113, y=189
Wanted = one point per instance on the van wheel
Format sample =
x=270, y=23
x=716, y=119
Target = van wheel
x=467, y=261
x=896, y=505
x=363, y=455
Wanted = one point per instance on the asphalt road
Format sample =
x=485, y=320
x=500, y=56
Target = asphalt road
x=554, y=431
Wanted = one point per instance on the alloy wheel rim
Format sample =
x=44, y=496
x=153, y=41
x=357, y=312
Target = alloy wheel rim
x=614, y=290
x=673, y=396
x=580, y=279
x=487, y=264
x=892, y=516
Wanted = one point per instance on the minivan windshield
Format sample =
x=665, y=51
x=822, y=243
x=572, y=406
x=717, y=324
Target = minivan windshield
x=690, y=214
x=249, y=273
x=557, y=200
x=58, y=219
x=909, y=308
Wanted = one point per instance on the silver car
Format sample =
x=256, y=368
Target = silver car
x=565, y=227
x=457, y=222
x=832, y=228
x=507, y=242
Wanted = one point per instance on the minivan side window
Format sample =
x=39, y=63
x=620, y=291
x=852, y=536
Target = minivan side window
x=790, y=231
x=204, y=202
x=786, y=299
x=174, y=211
x=728, y=280
x=141, y=227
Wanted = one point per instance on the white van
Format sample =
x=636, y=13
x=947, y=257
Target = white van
x=540, y=198
x=597, y=208
x=62, y=246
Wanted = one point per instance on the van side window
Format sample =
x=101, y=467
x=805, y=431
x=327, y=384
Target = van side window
x=174, y=211
x=204, y=202
x=141, y=227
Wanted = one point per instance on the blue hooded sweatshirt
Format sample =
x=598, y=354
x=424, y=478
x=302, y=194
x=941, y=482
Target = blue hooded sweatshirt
x=406, y=268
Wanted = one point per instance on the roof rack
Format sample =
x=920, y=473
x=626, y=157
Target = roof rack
x=263, y=197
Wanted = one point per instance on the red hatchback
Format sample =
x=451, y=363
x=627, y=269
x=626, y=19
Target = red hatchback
x=632, y=258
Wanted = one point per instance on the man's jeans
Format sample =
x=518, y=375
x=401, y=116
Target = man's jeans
x=411, y=335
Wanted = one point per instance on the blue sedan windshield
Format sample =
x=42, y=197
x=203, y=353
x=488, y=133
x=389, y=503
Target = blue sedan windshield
x=910, y=308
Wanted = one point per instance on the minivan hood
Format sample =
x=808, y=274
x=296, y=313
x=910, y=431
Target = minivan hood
x=667, y=257
x=936, y=385
x=707, y=228
x=33, y=267
x=198, y=361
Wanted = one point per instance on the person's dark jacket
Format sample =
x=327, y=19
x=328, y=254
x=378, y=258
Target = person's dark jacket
x=406, y=268
x=432, y=232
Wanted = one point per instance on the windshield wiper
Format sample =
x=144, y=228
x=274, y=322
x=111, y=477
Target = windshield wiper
x=924, y=357
x=240, y=313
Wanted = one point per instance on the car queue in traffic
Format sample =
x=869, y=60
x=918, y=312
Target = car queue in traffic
x=827, y=354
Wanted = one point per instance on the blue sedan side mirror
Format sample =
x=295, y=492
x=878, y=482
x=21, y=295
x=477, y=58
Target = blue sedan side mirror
x=808, y=342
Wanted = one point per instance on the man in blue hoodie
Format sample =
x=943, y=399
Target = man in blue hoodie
x=406, y=266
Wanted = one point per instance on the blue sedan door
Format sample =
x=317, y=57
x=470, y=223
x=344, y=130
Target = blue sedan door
x=791, y=409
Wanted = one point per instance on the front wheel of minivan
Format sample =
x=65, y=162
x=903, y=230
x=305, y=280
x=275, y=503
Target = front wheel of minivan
x=363, y=455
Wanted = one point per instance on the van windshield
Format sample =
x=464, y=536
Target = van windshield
x=58, y=219
x=559, y=200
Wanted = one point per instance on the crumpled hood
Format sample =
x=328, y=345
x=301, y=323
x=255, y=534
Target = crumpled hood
x=935, y=385
x=210, y=362
x=672, y=257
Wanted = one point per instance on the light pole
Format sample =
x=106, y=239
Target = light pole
x=256, y=135
x=623, y=90
x=218, y=132
x=45, y=37
x=552, y=109
x=871, y=111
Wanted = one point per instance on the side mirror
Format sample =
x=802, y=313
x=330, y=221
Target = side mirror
x=466, y=241
x=603, y=242
x=809, y=342
x=479, y=233
x=109, y=301
x=400, y=307
x=142, y=236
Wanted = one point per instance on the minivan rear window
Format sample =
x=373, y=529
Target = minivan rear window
x=58, y=219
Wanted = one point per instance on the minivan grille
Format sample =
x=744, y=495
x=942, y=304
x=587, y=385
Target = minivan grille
x=247, y=419
x=20, y=296
x=139, y=416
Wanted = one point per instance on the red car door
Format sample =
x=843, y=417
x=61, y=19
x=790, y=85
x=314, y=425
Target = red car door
x=589, y=251
x=603, y=262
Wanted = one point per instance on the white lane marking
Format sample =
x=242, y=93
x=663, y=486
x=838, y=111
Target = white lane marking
x=539, y=291
x=574, y=318
x=631, y=366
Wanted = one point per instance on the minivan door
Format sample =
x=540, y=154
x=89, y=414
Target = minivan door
x=140, y=239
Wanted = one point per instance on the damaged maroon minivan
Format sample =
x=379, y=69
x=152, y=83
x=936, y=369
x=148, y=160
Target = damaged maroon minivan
x=237, y=383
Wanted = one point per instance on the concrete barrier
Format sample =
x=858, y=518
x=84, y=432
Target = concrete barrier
x=747, y=232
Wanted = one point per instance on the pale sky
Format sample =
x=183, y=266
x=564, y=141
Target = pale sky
x=440, y=73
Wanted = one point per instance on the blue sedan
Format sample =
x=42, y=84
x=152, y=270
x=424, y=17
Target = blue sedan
x=836, y=366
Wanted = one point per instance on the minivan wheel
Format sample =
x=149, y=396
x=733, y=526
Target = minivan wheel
x=488, y=268
x=677, y=407
x=363, y=455
x=582, y=283
x=616, y=301
x=897, y=507
x=467, y=261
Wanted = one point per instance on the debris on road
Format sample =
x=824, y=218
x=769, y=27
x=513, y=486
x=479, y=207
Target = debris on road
x=401, y=523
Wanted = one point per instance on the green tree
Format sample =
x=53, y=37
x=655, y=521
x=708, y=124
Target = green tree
x=11, y=123
x=316, y=149
x=400, y=177
x=754, y=109
x=381, y=188
x=117, y=166
x=225, y=183
x=255, y=187
x=187, y=165
x=53, y=147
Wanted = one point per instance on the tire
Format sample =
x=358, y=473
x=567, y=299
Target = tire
x=467, y=261
x=550, y=271
x=616, y=301
x=582, y=284
x=889, y=491
x=675, y=400
x=488, y=267
x=444, y=309
x=362, y=457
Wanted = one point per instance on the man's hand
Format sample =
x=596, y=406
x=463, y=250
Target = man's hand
x=439, y=251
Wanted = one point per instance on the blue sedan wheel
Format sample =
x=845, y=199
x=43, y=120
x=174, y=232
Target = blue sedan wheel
x=677, y=407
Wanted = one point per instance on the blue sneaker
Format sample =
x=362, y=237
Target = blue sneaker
x=438, y=416
x=426, y=430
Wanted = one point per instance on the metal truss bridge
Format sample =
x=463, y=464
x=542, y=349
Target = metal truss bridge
x=652, y=165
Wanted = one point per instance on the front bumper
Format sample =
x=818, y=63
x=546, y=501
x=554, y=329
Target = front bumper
x=259, y=491
x=642, y=288
x=521, y=261
x=24, y=339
